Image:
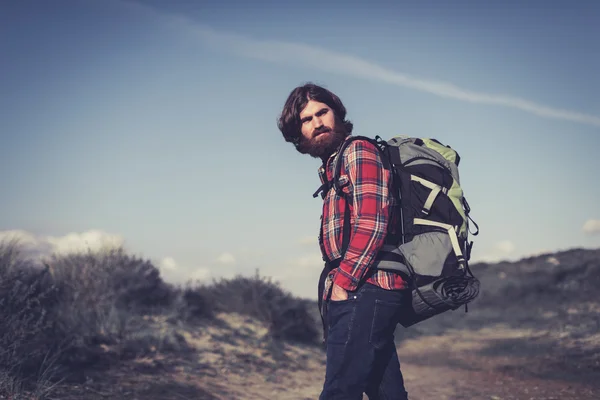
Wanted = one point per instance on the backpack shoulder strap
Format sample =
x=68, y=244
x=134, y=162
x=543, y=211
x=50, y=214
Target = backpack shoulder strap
x=377, y=142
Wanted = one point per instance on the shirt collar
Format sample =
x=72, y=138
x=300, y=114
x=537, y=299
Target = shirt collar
x=322, y=168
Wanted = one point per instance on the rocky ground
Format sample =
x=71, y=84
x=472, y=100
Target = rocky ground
x=534, y=333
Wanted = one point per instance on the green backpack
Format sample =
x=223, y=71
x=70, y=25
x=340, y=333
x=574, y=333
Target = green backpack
x=433, y=245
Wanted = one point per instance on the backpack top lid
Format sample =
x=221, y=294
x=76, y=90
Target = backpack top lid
x=445, y=150
x=412, y=150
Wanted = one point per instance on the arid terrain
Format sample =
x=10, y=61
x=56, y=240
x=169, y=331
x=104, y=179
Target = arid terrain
x=532, y=334
x=105, y=326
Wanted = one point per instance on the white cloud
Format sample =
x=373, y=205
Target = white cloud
x=36, y=245
x=226, y=259
x=170, y=270
x=502, y=250
x=93, y=240
x=22, y=237
x=173, y=272
x=314, y=57
x=505, y=247
x=592, y=227
x=201, y=274
x=168, y=263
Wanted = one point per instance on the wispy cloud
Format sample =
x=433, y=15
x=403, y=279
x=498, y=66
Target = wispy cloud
x=298, y=54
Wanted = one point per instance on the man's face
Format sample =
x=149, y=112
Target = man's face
x=322, y=131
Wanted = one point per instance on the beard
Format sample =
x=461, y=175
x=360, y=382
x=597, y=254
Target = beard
x=325, y=142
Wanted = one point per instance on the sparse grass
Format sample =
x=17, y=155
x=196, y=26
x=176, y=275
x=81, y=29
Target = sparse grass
x=92, y=308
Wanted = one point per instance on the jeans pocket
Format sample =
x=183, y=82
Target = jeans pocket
x=340, y=316
x=385, y=319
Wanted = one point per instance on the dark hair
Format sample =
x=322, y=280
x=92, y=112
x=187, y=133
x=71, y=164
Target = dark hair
x=289, y=120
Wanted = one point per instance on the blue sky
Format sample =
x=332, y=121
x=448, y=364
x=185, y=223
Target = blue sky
x=154, y=123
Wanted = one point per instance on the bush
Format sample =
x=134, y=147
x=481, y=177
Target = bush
x=55, y=317
x=58, y=317
x=103, y=296
x=27, y=328
x=195, y=303
x=286, y=316
x=113, y=277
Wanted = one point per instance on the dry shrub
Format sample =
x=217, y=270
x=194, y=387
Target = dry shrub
x=28, y=344
x=58, y=317
x=287, y=316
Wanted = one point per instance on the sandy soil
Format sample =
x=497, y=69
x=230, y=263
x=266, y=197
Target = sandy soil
x=235, y=360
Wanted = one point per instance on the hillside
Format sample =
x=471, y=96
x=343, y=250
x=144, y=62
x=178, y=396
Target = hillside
x=105, y=326
x=537, y=318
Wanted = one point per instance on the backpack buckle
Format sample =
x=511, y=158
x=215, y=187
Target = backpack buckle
x=323, y=189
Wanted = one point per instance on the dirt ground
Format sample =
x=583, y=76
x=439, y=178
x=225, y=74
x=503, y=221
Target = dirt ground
x=236, y=361
x=532, y=334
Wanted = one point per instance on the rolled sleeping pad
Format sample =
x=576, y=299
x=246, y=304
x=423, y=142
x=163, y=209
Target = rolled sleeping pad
x=440, y=296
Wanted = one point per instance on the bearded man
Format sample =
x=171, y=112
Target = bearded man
x=363, y=304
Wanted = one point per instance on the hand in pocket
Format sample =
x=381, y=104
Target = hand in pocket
x=338, y=293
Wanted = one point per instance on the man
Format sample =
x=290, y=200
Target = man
x=363, y=304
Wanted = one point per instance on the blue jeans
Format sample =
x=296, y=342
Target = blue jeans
x=361, y=353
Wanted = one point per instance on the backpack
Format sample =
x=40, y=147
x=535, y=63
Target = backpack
x=432, y=246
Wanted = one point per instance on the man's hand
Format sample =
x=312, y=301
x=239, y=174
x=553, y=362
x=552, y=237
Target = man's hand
x=338, y=293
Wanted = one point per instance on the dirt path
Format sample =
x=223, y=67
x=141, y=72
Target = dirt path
x=469, y=365
x=485, y=381
x=436, y=378
x=236, y=362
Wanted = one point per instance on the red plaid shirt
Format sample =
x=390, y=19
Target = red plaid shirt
x=367, y=183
